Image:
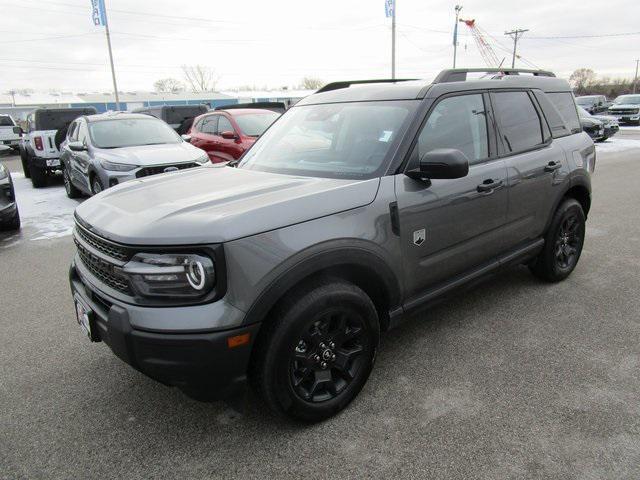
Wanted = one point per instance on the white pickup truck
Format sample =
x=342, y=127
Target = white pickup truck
x=9, y=132
x=39, y=151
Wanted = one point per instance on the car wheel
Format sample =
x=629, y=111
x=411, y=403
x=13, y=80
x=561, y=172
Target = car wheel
x=317, y=350
x=38, y=176
x=563, y=243
x=70, y=188
x=24, y=157
x=12, y=224
x=96, y=185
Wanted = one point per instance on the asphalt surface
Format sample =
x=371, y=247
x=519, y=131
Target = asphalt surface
x=515, y=379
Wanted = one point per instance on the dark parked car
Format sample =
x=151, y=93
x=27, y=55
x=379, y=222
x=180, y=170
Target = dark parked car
x=226, y=134
x=593, y=103
x=356, y=208
x=626, y=108
x=104, y=150
x=9, y=215
x=179, y=117
x=609, y=125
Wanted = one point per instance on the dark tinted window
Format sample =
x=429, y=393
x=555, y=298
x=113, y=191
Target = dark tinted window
x=520, y=126
x=552, y=115
x=5, y=121
x=566, y=105
x=57, y=119
x=456, y=122
x=72, y=133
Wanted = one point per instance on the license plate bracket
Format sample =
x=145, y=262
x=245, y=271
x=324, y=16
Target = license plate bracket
x=86, y=319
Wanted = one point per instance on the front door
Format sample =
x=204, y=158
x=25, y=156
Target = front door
x=450, y=226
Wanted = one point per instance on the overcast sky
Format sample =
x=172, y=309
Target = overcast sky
x=52, y=44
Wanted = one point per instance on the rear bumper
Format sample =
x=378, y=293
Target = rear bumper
x=49, y=163
x=200, y=364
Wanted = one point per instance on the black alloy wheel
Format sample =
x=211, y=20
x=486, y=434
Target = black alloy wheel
x=328, y=356
x=568, y=242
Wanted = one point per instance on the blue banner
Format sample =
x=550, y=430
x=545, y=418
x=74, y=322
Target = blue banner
x=97, y=13
x=455, y=34
x=389, y=8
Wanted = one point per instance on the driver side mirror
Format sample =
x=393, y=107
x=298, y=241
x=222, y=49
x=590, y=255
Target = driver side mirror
x=228, y=135
x=441, y=163
x=77, y=146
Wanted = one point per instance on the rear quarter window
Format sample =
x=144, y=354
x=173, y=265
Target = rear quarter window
x=566, y=105
x=520, y=126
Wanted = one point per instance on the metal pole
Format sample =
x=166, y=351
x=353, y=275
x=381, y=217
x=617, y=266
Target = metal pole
x=113, y=70
x=514, y=34
x=393, y=41
x=635, y=78
x=455, y=35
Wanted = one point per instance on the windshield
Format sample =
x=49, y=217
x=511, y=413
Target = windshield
x=254, y=124
x=5, y=121
x=129, y=132
x=629, y=99
x=341, y=140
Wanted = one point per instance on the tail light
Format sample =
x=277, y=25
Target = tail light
x=38, y=142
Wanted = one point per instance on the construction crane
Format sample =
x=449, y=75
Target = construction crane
x=485, y=48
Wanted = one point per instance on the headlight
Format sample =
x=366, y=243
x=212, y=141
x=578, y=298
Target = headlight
x=171, y=275
x=203, y=160
x=3, y=172
x=117, y=167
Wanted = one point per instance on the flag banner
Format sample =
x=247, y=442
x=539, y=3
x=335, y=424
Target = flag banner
x=455, y=34
x=97, y=12
x=389, y=7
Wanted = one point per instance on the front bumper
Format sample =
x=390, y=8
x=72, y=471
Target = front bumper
x=201, y=363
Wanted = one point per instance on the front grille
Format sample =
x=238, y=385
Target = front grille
x=103, y=270
x=624, y=111
x=109, y=249
x=146, y=171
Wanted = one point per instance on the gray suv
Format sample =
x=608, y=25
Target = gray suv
x=365, y=202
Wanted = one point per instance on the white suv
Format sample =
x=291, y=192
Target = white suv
x=46, y=129
x=9, y=132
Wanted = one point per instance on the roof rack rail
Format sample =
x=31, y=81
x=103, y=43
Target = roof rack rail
x=346, y=84
x=460, y=74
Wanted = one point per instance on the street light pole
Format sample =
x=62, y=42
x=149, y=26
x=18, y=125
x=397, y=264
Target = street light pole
x=515, y=34
x=393, y=41
x=113, y=70
x=455, y=34
x=635, y=78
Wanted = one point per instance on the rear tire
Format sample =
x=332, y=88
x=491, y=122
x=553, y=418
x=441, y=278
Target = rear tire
x=563, y=243
x=96, y=185
x=38, y=176
x=24, y=157
x=69, y=187
x=317, y=352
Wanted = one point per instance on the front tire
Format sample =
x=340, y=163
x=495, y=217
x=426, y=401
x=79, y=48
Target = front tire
x=562, y=244
x=96, y=185
x=69, y=187
x=13, y=224
x=317, y=351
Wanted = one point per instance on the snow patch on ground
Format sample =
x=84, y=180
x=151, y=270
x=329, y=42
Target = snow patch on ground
x=617, y=145
x=47, y=211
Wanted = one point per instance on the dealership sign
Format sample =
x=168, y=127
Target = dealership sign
x=97, y=12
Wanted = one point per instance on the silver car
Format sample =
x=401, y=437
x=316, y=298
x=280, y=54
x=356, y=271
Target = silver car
x=104, y=150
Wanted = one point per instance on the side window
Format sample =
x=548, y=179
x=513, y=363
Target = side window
x=209, y=125
x=566, y=105
x=456, y=122
x=83, y=134
x=520, y=125
x=224, y=125
x=72, y=132
x=552, y=115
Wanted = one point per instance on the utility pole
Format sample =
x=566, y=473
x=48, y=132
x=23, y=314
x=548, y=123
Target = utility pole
x=515, y=34
x=113, y=70
x=457, y=9
x=393, y=41
x=635, y=78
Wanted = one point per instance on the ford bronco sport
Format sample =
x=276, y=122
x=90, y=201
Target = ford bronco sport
x=364, y=202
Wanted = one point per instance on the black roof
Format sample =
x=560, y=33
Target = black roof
x=451, y=80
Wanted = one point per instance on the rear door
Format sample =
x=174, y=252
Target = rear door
x=448, y=227
x=536, y=165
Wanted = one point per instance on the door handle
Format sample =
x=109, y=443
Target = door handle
x=552, y=166
x=489, y=185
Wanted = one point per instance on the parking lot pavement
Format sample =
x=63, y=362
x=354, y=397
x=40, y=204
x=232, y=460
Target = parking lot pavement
x=514, y=379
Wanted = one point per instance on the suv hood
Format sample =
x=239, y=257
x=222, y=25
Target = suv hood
x=626, y=106
x=216, y=204
x=151, y=155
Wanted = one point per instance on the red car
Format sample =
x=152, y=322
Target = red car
x=226, y=134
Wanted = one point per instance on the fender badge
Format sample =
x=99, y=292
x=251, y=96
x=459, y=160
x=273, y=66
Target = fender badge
x=419, y=237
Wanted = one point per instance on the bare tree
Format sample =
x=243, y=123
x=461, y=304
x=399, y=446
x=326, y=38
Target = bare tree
x=168, y=85
x=581, y=79
x=311, y=83
x=200, y=77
